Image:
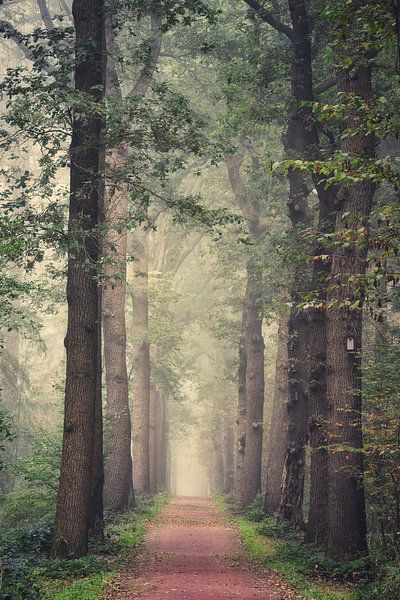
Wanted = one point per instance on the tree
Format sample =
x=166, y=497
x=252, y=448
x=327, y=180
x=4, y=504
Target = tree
x=346, y=503
x=82, y=390
x=277, y=442
x=119, y=477
x=251, y=407
x=141, y=365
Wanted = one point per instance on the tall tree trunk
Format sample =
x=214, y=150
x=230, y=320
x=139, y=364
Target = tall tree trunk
x=141, y=363
x=241, y=409
x=254, y=391
x=291, y=504
x=346, y=505
x=10, y=397
x=161, y=446
x=396, y=8
x=229, y=467
x=317, y=524
x=96, y=517
x=277, y=443
x=251, y=350
x=118, y=488
x=301, y=142
x=82, y=341
x=155, y=437
x=218, y=471
x=167, y=445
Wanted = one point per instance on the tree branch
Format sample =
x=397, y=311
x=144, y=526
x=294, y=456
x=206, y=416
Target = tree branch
x=9, y=32
x=325, y=86
x=45, y=14
x=67, y=10
x=267, y=17
x=143, y=83
x=187, y=253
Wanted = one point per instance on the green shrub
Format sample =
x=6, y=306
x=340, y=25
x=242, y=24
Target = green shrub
x=270, y=527
x=19, y=583
x=84, y=589
x=72, y=568
x=42, y=469
x=255, y=511
x=26, y=506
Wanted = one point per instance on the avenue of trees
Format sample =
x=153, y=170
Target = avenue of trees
x=215, y=185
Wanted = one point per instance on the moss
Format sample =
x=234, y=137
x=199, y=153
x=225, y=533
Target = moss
x=90, y=588
x=287, y=559
x=80, y=580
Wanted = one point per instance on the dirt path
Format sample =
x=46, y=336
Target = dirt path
x=192, y=552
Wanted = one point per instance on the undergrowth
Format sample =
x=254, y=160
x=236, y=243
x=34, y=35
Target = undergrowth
x=26, y=572
x=316, y=577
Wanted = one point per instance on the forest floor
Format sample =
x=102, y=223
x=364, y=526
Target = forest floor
x=194, y=552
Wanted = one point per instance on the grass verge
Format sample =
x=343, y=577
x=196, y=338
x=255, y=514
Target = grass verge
x=28, y=574
x=123, y=533
x=304, y=567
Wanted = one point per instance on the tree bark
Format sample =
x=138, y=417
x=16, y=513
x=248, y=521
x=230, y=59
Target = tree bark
x=218, y=471
x=300, y=143
x=291, y=504
x=277, y=442
x=96, y=516
x=10, y=397
x=241, y=409
x=229, y=466
x=155, y=438
x=141, y=364
x=82, y=341
x=251, y=351
x=254, y=391
x=317, y=524
x=161, y=447
x=346, y=504
x=118, y=489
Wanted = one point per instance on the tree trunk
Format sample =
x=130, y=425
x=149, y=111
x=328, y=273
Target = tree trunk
x=251, y=350
x=300, y=143
x=218, y=471
x=396, y=7
x=229, y=467
x=155, y=438
x=10, y=397
x=118, y=488
x=82, y=341
x=291, y=504
x=254, y=392
x=161, y=447
x=167, y=449
x=346, y=505
x=96, y=519
x=164, y=449
x=277, y=443
x=317, y=524
x=141, y=363
x=241, y=410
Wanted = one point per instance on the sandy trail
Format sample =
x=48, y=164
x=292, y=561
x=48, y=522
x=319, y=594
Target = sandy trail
x=192, y=552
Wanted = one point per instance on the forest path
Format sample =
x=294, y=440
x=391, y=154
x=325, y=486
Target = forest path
x=192, y=552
